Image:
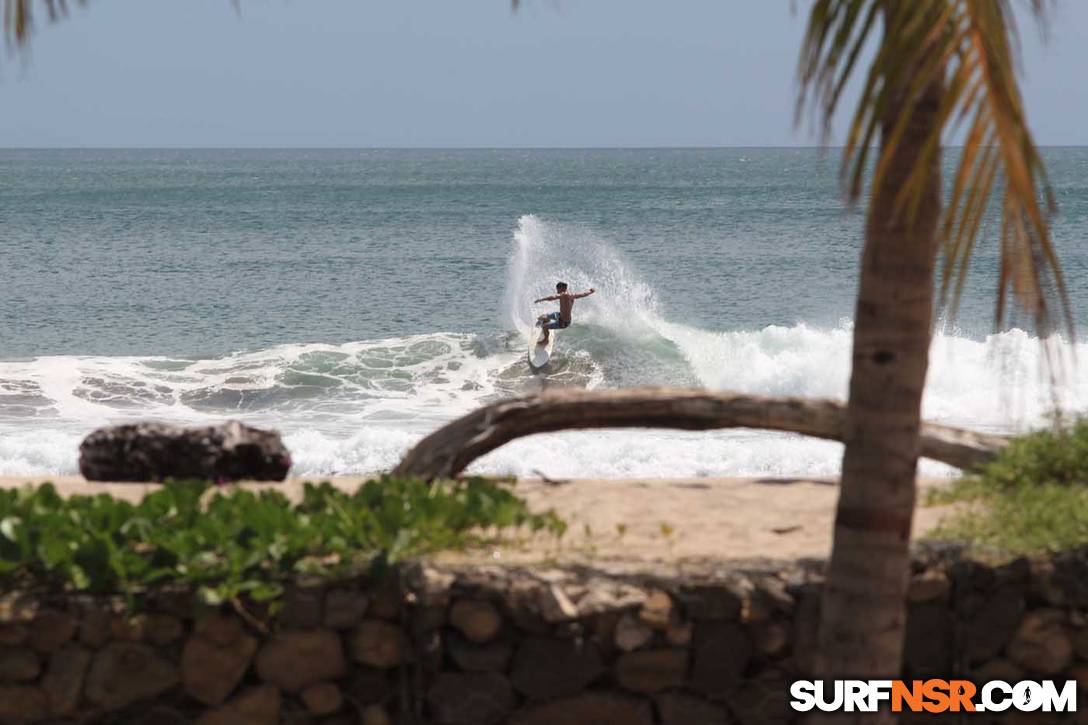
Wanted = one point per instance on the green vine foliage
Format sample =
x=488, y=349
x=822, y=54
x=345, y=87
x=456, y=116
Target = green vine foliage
x=231, y=543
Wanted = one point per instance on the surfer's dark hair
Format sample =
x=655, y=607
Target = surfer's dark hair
x=560, y=286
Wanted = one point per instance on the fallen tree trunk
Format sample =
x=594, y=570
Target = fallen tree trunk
x=450, y=449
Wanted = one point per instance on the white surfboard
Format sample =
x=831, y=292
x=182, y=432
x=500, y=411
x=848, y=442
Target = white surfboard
x=539, y=355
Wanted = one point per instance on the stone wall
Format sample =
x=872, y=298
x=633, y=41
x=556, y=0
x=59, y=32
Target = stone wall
x=481, y=645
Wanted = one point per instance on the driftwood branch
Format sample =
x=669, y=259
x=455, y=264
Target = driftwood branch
x=450, y=449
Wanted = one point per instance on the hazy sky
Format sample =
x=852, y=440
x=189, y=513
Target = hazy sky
x=450, y=73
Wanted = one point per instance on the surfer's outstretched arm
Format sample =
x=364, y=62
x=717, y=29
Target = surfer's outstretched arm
x=549, y=298
x=580, y=295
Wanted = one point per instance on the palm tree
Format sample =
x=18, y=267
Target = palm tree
x=940, y=67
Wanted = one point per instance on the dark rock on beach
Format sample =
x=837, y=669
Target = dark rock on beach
x=155, y=452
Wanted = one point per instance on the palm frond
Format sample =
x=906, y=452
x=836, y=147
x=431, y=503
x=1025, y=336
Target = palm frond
x=19, y=18
x=971, y=46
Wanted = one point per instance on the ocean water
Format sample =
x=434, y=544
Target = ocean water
x=358, y=299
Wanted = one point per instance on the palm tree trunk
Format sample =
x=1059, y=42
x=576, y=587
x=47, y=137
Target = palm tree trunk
x=862, y=621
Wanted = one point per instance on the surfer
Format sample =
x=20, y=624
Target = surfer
x=561, y=319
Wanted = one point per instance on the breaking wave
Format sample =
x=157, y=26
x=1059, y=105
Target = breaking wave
x=356, y=407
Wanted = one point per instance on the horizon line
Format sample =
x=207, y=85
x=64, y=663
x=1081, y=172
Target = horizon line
x=817, y=147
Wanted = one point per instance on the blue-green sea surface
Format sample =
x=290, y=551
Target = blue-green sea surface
x=356, y=299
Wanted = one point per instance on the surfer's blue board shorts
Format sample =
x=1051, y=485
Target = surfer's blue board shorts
x=553, y=322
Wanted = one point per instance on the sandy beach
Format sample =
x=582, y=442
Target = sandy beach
x=644, y=521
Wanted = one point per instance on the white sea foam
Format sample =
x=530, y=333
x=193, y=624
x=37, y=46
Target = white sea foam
x=356, y=407
x=38, y=452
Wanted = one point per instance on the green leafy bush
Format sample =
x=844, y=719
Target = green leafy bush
x=1057, y=457
x=1032, y=498
x=229, y=543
